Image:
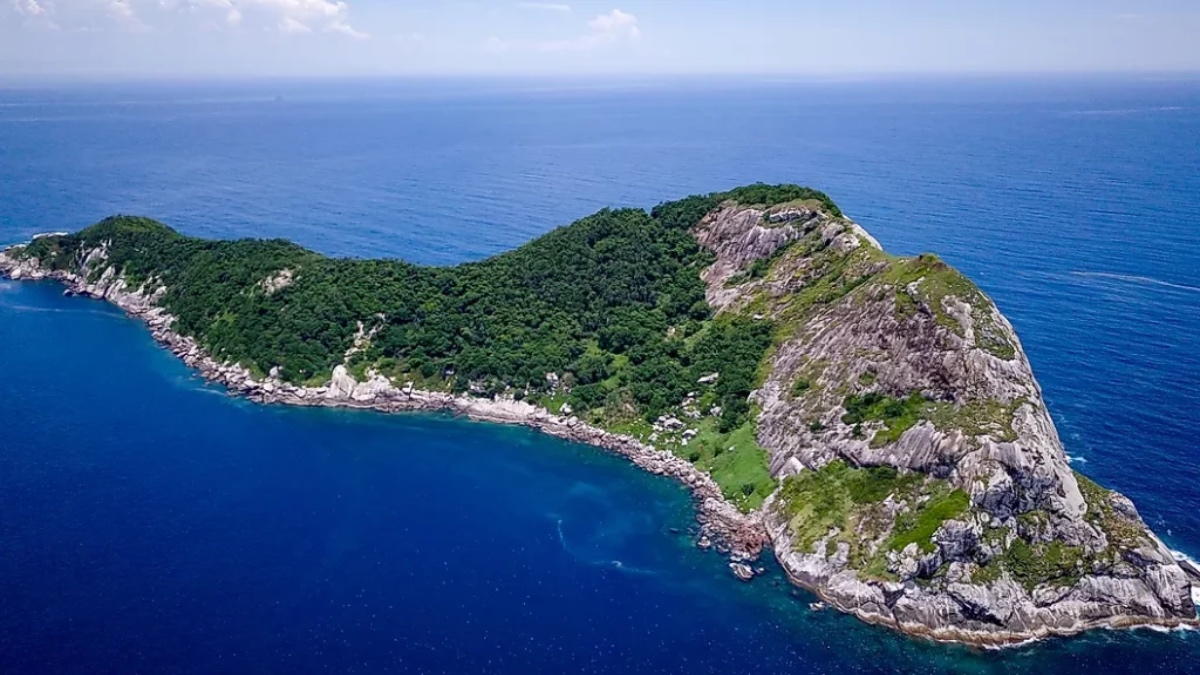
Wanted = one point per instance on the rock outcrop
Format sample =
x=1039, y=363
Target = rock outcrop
x=951, y=403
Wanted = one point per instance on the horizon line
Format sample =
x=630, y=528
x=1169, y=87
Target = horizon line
x=63, y=77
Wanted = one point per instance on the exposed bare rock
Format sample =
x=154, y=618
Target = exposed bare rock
x=278, y=281
x=968, y=418
x=741, y=571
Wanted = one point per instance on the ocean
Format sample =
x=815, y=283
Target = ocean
x=151, y=524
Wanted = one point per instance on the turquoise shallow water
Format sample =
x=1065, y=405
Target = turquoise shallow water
x=148, y=523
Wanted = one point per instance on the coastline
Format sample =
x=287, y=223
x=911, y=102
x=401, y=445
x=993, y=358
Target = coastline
x=739, y=535
x=981, y=639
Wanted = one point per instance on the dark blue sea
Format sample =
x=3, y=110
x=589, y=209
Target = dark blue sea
x=151, y=524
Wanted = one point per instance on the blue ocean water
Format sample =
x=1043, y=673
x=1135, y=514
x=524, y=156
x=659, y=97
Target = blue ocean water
x=148, y=523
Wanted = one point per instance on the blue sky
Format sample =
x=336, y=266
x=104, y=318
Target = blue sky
x=428, y=37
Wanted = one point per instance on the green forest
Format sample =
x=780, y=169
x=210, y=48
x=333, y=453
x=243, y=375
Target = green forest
x=613, y=304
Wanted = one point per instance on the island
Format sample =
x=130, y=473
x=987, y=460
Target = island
x=871, y=419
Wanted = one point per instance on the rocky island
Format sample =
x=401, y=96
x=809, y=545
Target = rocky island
x=872, y=419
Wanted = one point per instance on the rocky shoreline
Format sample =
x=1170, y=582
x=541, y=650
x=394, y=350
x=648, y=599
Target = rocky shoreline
x=722, y=525
x=919, y=617
x=998, y=615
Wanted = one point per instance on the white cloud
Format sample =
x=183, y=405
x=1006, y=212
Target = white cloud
x=121, y=9
x=549, y=6
x=346, y=29
x=291, y=16
x=33, y=13
x=123, y=13
x=285, y=16
x=293, y=27
x=30, y=9
x=230, y=12
x=613, y=27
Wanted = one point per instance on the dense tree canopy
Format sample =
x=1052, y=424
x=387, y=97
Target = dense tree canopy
x=612, y=304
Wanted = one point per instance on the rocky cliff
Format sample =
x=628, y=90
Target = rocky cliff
x=920, y=481
x=923, y=483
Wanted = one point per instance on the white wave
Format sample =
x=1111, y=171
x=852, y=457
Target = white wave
x=1127, y=111
x=1076, y=459
x=1183, y=557
x=1170, y=629
x=199, y=387
x=32, y=309
x=1135, y=279
x=1008, y=646
x=58, y=310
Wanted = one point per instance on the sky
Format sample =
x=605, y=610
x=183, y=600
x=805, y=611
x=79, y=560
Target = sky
x=188, y=38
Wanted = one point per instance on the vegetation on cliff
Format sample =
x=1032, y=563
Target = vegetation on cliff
x=853, y=501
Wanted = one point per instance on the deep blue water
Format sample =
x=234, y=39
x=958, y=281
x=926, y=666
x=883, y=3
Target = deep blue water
x=148, y=523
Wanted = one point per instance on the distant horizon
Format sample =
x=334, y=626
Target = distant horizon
x=583, y=78
x=418, y=38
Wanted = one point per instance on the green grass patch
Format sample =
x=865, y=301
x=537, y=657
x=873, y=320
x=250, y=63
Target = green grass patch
x=735, y=460
x=897, y=415
x=838, y=496
x=906, y=307
x=1034, y=565
x=1123, y=533
x=849, y=499
x=764, y=195
x=919, y=525
x=554, y=402
x=316, y=381
x=635, y=427
x=977, y=418
x=829, y=276
x=800, y=386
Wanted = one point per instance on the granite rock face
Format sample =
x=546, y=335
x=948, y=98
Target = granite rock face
x=857, y=325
